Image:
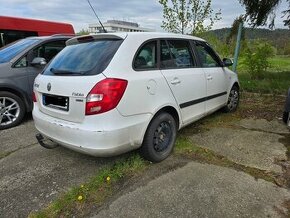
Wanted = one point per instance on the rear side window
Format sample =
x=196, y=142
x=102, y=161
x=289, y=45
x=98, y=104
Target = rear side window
x=146, y=58
x=89, y=58
x=176, y=54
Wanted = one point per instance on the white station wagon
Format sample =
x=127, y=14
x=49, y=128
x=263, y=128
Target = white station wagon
x=107, y=94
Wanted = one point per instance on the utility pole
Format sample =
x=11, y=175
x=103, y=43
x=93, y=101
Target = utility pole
x=238, y=46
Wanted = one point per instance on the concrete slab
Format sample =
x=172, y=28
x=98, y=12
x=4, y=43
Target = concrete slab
x=273, y=126
x=17, y=138
x=246, y=147
x=201, y=190
x=33, y=176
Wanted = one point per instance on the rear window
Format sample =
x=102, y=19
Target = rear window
x=89, y=58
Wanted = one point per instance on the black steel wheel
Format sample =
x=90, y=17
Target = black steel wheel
x=159, y=138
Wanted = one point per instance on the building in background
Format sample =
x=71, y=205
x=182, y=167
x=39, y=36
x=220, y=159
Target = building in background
x=117, y=26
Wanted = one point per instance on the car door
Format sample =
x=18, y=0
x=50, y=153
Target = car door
x=47, y=51
x=186, y=81
x=216, y=76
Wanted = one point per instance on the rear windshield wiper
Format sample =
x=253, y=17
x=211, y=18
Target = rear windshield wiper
x=64, y=72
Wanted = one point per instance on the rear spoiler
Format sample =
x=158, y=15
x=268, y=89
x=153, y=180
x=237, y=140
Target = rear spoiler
x=88, y=38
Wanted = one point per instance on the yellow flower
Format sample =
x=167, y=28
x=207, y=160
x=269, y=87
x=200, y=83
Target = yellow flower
x=80, y=197
x=108, y=179
x=82, y=186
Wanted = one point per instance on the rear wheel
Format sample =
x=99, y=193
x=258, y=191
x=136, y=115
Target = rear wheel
x=12, y=110
x=233, y=100
x=159, y=138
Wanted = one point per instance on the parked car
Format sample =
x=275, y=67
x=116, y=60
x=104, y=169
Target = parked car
x=107, y=94
x=286, y=114
x=20, y=62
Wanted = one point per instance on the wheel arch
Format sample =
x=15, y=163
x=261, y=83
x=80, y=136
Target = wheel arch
x=21, y=95
x=168, y=109
x=173, y=112
x=236, y=84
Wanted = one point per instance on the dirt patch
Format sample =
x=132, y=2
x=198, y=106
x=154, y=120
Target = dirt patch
x=259, y=106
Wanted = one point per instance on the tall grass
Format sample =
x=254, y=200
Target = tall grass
x=275, y=81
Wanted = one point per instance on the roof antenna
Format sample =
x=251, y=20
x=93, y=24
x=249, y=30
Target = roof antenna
x=104, y=30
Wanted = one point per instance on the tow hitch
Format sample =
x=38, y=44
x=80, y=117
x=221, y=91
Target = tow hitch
x=45, y=142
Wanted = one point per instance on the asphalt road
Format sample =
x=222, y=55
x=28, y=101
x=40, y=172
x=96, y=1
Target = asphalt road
x=32, y=176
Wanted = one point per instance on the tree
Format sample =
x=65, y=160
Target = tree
x=188, y=16
x=234, y=30
x=83, y=32
x=260, y=12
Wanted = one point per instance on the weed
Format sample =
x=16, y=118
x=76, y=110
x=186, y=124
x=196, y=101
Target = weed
x=95, y=191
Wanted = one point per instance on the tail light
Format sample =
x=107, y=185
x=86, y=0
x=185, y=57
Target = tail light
x=105, y=96
x=34, y=97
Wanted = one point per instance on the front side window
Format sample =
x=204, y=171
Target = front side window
x=146, y=57
x=48, y=50
x=207, y=56
x=176, y=54
x=21, y=63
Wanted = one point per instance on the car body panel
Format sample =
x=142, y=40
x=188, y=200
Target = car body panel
x=183, y=84
x=75, y=88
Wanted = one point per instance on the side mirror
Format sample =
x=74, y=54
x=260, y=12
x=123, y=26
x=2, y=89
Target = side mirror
x=38, y=62
x=227, y=62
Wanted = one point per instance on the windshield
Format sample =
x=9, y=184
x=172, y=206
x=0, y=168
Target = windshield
x=10, y=51
x=89, y=58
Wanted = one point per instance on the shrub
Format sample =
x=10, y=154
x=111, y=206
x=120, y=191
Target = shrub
x=257, y=56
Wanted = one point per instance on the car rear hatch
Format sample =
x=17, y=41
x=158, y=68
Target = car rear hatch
x=61, y=90
x=66, y=98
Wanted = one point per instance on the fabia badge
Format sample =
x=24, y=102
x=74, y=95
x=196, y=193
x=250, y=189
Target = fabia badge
x=48, y=87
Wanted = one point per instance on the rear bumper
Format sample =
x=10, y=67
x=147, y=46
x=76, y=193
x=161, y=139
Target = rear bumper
x=111, y=135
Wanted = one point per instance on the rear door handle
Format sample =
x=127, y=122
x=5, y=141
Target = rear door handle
x=209, y=77
x=175, y=81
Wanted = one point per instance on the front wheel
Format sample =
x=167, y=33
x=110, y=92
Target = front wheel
x=233, y=100
x=159, y=138
x=285, y=117
x=12, y=110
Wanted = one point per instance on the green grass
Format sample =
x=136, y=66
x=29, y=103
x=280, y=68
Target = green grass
x=275, y=81
x=280, y=64
x=93, y=192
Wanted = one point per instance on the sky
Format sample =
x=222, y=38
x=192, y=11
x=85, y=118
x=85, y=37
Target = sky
x=147, y=13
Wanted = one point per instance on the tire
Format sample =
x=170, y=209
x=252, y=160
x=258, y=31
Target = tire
x=233, y=100
x=159, y=138
x=285, y=117
x=12, y=110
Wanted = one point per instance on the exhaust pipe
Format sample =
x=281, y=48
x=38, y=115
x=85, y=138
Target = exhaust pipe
x=45, y=142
